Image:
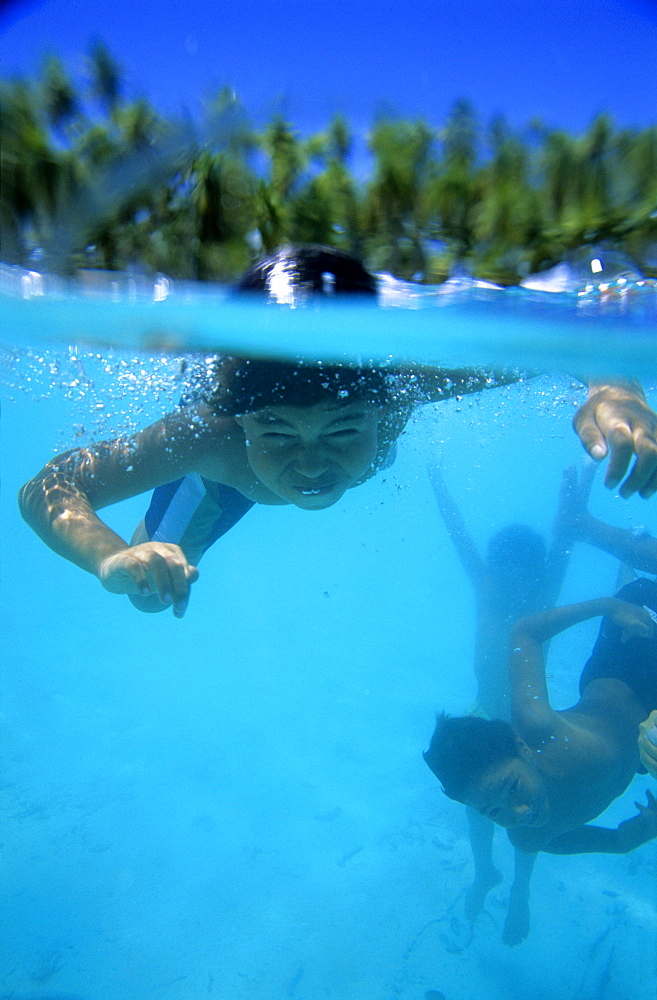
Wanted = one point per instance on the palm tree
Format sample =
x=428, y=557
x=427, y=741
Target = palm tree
x=326, y=205
x=396, y=197
x=106, y=76
x=58, y=95
x=455, y=189
x=286, y=163
x=31, y=172
x=507, y=220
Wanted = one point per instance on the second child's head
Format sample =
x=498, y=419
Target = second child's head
x=486, y=766
x=516, y=559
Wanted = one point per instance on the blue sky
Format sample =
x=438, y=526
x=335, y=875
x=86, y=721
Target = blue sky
x=562, y=61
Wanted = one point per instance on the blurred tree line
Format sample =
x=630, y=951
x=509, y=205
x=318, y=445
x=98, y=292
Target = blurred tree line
x=92, y=179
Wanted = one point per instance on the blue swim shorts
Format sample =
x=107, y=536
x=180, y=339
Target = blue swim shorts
x=194, y=512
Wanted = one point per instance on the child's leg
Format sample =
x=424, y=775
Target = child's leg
x=487, y=876
x=516, y=926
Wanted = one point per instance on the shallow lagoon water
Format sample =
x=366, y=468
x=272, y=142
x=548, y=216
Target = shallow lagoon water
x=235, y=805
x=453, y=324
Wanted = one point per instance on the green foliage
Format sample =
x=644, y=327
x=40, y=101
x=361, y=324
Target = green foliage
x=90, y=178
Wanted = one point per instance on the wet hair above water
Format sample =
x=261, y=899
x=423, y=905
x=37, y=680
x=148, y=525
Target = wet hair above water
x=463, y=749
x=291, y=276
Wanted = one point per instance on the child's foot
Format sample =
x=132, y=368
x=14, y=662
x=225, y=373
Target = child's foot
x=516, y=926
x=476, y=894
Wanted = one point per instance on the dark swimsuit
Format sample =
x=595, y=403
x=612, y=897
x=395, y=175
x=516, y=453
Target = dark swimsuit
x=634, y=662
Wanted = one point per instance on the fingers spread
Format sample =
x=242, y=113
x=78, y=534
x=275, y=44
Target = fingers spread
x=620, y=423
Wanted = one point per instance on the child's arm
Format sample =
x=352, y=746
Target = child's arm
x=466, y=549
x=529, y=694
x=429, y=384
x=60, y=502
x=615, y=421
x=629, y=835
x=574, y=523
x=633, y=546
x=573, y=500
x=516, y=925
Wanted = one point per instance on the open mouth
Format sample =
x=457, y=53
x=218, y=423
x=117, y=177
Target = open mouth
x=314, y=491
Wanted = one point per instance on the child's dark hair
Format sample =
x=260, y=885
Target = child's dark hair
x=290, y=276
x=464, y=749
x=292, y=273
x=516, y=544
x=244, y=385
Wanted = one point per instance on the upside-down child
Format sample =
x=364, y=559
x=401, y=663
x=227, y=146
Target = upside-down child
x=549, y=774
x=517, y=576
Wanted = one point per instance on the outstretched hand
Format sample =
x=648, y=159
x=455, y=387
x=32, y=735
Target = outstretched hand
x=648, y=816
x=151, y=569
x=641, y=828
x=574, y=499
x=616, y=421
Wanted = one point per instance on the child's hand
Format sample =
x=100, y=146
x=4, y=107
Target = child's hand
x=640, y=828
x=634, y=620
x=573, y=500
x=616, y=421
x=648, y=743
x=150, y=568
x=648, y=816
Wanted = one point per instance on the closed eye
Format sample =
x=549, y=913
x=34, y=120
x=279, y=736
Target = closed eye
x=343, y=433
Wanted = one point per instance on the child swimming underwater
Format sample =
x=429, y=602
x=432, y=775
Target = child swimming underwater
x=546, y=776
x=276, y=433
x=519, y=575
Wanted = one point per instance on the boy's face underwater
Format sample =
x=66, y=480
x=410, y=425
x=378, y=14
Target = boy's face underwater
x=310, y=455
x=511, y=794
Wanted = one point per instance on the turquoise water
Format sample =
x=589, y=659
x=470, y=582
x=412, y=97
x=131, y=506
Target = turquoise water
x=454, y=324
x=235, y=805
